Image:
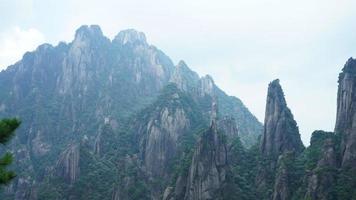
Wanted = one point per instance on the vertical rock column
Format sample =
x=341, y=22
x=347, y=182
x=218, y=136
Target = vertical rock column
x=346, y=113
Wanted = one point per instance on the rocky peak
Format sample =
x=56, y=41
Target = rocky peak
x=207, y=85
x=85, y=32
x=184, y=78
x=346, y=113
x=130, y=36
x=350, y=66
x=281, y=133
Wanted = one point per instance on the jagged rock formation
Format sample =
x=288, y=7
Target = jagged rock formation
x=346, y=113
x=280, y=129
x=208, y=170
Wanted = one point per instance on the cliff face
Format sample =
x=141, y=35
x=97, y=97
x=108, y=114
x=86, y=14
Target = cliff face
x=162, y=128
x=346, y=113
x=208, y=170
x=280, y=129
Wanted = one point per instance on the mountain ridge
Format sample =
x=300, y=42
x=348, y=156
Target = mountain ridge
x=89, y=89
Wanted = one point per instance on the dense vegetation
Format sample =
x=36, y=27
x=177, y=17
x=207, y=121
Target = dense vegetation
x=7, y=131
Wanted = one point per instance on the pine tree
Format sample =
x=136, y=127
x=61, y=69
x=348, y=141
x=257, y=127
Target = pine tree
x=7, y=130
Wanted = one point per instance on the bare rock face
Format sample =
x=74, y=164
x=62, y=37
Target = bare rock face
x=281, y=133
x=162, y=136
x=185, y=79
x=68, y=164
x=207, y=173
x=161, y=132
x=346, y=113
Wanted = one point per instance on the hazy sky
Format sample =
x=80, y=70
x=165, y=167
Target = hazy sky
x=242, y=44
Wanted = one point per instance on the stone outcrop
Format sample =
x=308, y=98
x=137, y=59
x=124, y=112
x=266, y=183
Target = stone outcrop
x=209, y=166
x=280, y=129
x=346, y=113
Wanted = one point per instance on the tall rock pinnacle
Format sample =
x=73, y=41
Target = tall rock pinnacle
x=280, y=129
x=346, y=113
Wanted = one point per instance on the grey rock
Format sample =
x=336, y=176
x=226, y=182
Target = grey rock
x=207, y=173
x=346, y=113
x=281, y=132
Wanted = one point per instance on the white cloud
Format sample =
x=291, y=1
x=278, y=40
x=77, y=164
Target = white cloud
x=15, y=42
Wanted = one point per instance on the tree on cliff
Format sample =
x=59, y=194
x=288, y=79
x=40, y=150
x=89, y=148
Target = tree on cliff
x=7, y=130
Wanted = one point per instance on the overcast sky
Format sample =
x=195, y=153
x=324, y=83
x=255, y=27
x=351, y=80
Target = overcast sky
x=242, y=44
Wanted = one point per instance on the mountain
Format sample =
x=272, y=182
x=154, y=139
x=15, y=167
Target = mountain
x=118, y=109
x=116, y=119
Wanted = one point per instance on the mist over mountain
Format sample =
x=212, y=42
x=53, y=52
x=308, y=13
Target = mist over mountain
x=117, y=119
